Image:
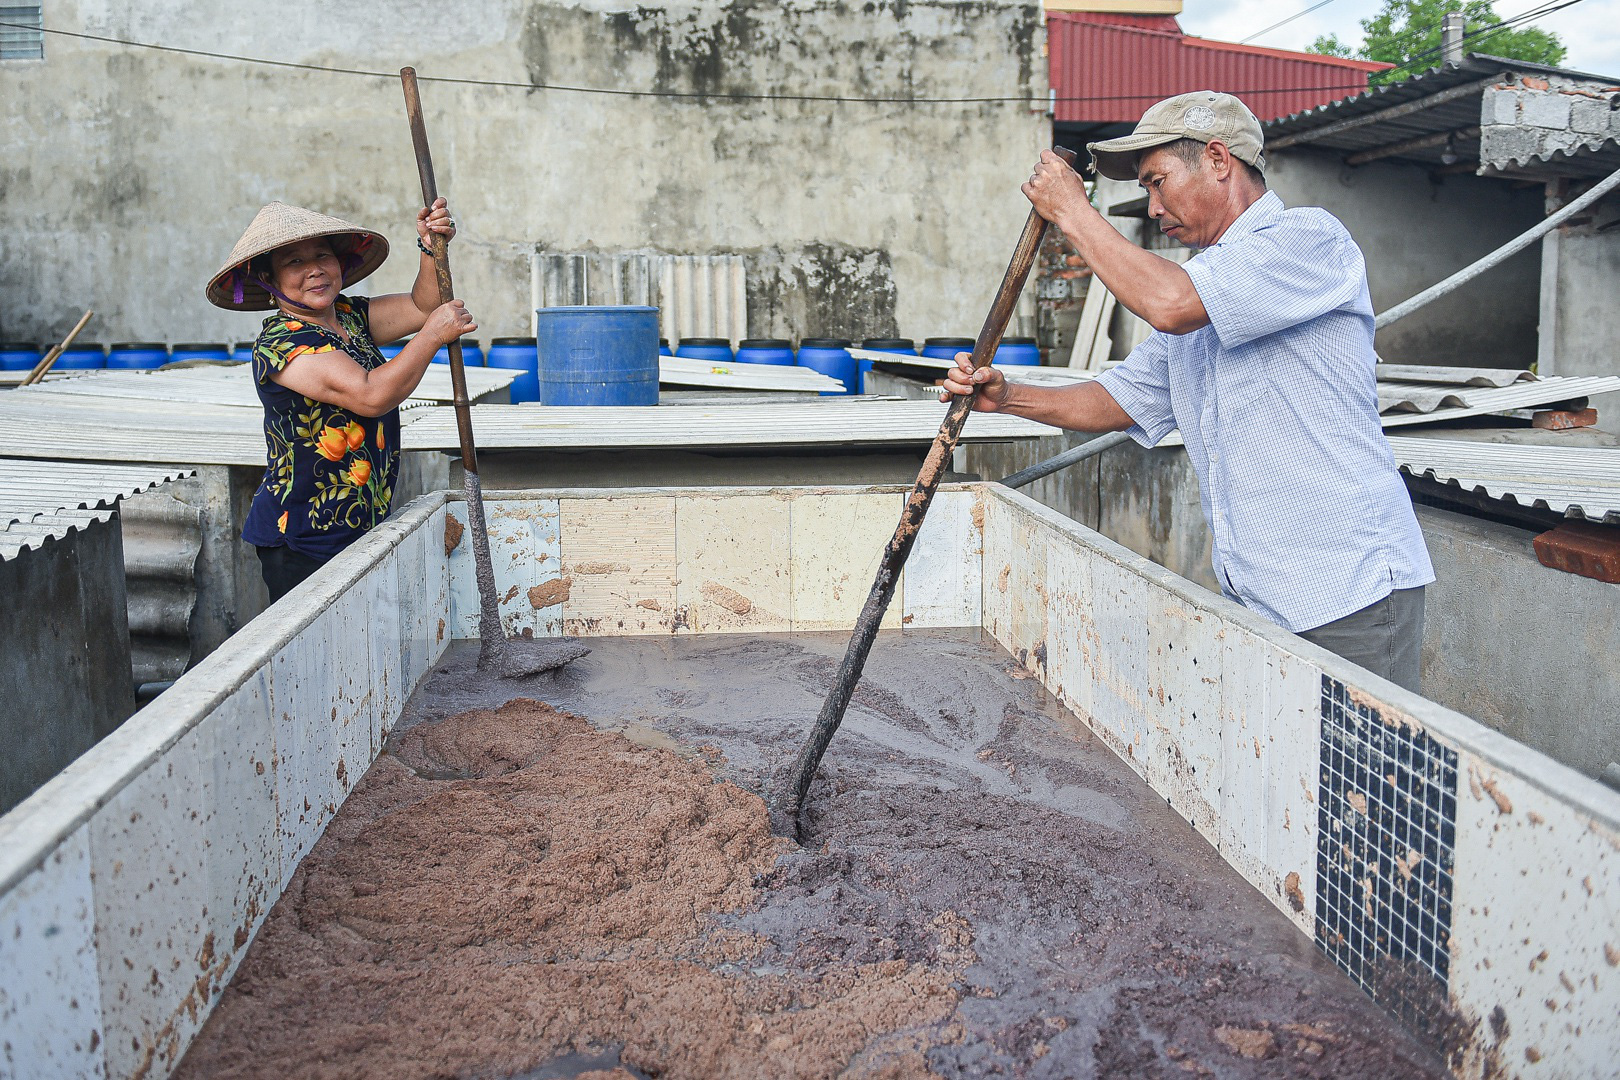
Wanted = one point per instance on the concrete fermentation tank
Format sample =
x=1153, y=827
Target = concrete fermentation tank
x=598, y=355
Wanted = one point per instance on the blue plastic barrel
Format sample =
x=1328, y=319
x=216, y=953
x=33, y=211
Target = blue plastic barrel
x=946, y=348
x=765, y=351
x=82, y=356
x=137, y=355
x=206, y=350
x=830, y=356
x=902, y=345
x=599, y=355
x=517, y=353
x=392, y=349
x=705, y=348
x=472, y=354
x=242, y=352
x=18, y=356
x=663, y=347
x=1017, y=352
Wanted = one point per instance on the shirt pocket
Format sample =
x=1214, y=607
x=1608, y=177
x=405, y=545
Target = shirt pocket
x=1243, y=377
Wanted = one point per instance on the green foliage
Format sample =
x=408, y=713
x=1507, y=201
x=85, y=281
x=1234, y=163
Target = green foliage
x=1406, y=33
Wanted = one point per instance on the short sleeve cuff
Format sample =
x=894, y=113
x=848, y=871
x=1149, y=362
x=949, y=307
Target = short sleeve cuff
x=1142, y=406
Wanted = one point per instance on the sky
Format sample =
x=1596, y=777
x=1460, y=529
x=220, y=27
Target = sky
x=1590, y=29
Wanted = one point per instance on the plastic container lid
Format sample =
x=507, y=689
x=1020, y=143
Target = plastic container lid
x=18, y=346
x=86, y=345
x=512, y=341
x=706, y=341
x=889, y=343
x=191, y=346
x=766, y=343
x=951, y=341
x=149, y=346
x=824, y=343
x=1018, y=341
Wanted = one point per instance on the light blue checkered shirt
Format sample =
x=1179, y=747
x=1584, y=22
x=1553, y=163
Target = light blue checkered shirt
x=1277, y=400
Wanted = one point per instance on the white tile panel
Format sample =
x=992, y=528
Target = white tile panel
x=733, y=562
x=186, y=864
x=619, y=559
x=50, y=988
x=942, y=584
x=836, y=544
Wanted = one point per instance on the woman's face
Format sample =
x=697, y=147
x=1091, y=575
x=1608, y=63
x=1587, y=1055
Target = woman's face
x=308, y=273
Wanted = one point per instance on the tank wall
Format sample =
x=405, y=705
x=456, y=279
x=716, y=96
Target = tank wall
x=1478, y=892
x=132, y=883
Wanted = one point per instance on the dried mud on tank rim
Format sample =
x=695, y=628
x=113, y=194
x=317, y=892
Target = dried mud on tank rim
x=581, y=882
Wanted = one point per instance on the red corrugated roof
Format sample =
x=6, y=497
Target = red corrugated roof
x=1108, y=68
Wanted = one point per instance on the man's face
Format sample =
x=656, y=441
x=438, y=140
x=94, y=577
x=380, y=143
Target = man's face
x=1185, y=200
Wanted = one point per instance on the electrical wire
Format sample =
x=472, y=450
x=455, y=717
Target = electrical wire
x=1285, y=22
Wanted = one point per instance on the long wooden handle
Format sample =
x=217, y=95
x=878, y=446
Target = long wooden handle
x=44, y=366
x=911, y=519
x=441, y=264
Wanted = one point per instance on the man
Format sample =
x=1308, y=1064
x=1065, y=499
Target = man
x=1263, y=357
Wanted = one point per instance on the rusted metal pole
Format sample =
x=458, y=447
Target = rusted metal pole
x=911, y=519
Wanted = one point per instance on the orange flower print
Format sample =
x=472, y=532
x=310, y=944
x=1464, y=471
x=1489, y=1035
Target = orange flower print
x=332, y=444
x=281, y=522
x=355, y=434
x=294, y=324
x=382, y=444
x=359, y=473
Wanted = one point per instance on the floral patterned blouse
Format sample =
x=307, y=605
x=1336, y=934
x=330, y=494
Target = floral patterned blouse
x=329, y=474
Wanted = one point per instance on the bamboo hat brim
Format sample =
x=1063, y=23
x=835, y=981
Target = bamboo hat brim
x=277, y=225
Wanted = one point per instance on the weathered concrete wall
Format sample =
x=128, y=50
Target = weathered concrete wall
x=64, y=671
x=1521, y=648
x=1414, y=231
x=129, y=173
x=1580, y=320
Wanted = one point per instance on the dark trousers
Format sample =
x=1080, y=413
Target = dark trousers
x=284, y=569
x=1385, y=637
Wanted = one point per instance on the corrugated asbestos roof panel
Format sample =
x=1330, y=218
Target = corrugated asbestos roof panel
x=1108, y=69
x=1578, y=482
x=20, y=536
x=32, y=489
x=822, y=422
x=233, y=386
x=685, y=371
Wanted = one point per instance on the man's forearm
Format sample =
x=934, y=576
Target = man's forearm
x=1153, y=287
x=1086, y=407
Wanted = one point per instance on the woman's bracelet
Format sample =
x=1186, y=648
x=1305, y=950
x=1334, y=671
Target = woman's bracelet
x=423, y=248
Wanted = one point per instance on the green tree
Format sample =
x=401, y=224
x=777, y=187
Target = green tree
x=1407, y=34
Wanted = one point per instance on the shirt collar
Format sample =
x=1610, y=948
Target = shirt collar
x=1262, y=212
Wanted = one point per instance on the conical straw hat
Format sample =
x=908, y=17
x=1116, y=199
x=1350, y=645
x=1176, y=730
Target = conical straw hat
x=277, y=225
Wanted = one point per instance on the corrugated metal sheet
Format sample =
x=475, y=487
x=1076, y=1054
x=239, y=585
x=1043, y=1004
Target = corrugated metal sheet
x=1480, y=401
x=1108, y=69
x=1452, y=376
x=684, y=371
x=20, y=536
x=1578, y=482
x=32, y=489
x=233, y=386
x=821, y=422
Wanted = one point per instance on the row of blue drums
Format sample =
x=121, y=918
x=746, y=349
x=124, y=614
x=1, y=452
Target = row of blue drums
x=831, y=356
x=125, y=355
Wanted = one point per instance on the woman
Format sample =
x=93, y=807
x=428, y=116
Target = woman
x=331, y=401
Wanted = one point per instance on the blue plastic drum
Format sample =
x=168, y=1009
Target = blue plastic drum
x=18, y=356
x=137, y=355
x=242, y=352
x=663, y=347
x=765, y=351
x=472, y=354
x=830, y=356
x=83, y=356
x=946, y=348
x=705, y=348
x=517, y=353
x=195, y=351
x=599, y=355
x=904, y=346
x=1017, y=352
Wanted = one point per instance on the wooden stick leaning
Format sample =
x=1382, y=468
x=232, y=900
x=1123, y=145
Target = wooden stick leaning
x=44, y=366
x=509, y=659
x=790, y=803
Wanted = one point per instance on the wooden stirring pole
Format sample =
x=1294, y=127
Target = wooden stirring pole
x=45, y=362
x=791, y=803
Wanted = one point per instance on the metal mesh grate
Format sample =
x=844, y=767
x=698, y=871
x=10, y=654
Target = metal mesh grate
x=1387, y=813
x=21, y=37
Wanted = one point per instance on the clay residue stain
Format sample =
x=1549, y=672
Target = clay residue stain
x=510, y=593
x=452, y=532
x=598, y=569
x=1256, y=1043
x=513, y=886
x=650, y=605
x=730, y=599
x=1001, y=578
x=441, y=630
x=978, y=515
x=1291, y=887
x=550, y=593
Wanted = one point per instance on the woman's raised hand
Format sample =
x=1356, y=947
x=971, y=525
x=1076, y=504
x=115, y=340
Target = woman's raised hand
x=435, y=219
x=448, y=322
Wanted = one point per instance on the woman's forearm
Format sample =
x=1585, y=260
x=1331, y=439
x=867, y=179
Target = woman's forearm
x=425, y=293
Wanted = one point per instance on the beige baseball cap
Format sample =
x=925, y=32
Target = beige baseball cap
x=1203, y=115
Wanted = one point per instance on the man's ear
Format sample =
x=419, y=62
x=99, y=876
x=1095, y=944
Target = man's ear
x=1219, y=157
